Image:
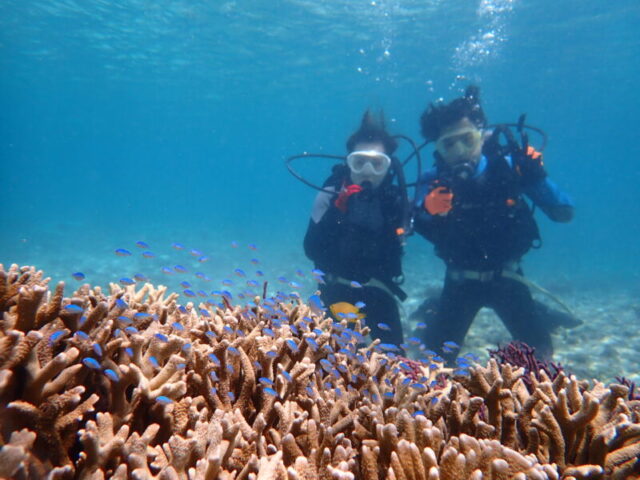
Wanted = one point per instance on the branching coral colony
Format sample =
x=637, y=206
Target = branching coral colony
x=131, y=385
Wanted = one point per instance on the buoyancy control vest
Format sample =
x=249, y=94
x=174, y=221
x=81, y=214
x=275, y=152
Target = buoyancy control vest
x=365, y=242
x=490, y=223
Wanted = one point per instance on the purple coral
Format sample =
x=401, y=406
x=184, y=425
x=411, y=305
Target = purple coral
x=413, y=370
x=633, y=393
x=520, y=354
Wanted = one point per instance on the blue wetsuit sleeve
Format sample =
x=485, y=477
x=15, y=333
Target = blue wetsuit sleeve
x=554, y=202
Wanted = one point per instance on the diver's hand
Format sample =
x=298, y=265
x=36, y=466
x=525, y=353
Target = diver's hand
x=343, y=197
x=530, y=166
x=439, y=201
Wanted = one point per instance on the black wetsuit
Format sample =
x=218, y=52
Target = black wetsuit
x=360, y=244
x=485, y=234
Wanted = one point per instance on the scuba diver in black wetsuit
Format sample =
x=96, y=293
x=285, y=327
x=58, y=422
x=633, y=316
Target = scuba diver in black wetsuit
x=473, y=210
x=353, y=234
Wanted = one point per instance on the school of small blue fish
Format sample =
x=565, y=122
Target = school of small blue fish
x=336, y=344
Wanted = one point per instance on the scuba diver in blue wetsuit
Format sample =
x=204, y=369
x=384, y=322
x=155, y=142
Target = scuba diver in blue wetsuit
x=473, y=210
x=353, y=231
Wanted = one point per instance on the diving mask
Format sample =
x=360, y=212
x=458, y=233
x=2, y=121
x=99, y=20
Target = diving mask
x=370, y=162
x=459, y=143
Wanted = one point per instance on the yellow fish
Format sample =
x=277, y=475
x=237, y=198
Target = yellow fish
x=346, y=310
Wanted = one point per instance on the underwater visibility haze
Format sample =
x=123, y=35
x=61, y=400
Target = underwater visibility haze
x=168, y=123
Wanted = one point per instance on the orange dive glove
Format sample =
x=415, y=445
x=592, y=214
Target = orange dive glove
x=529, y=166
x=438, y=201
x=534, y=154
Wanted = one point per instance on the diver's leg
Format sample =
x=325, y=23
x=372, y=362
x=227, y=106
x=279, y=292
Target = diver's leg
x=381, y=308
x=427, y=310
x=514, y=305
x=331, y=293
x=456, y=309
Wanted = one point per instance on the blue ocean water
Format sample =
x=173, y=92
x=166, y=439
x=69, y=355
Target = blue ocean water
x=169, y=121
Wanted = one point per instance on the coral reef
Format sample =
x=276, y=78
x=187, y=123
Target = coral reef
x=132, y=385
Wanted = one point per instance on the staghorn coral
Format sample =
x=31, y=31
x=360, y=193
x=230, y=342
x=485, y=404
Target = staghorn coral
x=133, y=385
